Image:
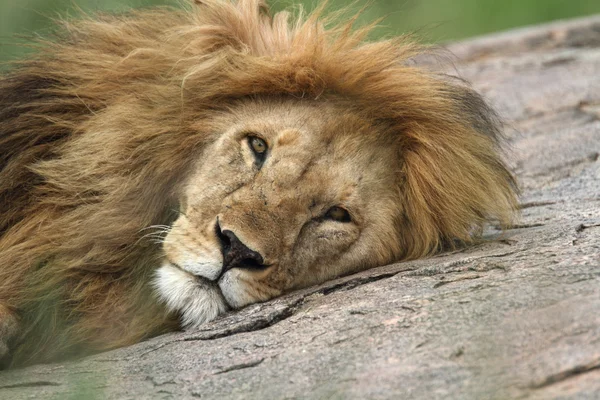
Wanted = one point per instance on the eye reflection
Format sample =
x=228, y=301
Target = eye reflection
x=258, y=146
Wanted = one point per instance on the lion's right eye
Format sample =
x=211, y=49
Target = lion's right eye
x=259, y=147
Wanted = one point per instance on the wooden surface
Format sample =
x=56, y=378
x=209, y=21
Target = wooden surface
x=516, y=317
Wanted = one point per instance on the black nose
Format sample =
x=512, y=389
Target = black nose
x=236, y=254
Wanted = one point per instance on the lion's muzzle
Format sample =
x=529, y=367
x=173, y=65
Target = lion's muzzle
x=236, y=254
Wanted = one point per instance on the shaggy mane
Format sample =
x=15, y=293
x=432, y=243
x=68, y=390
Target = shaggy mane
x=99, y=128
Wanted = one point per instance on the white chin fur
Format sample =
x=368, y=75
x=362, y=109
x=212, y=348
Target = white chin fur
x=197, y=301
x=234, y=291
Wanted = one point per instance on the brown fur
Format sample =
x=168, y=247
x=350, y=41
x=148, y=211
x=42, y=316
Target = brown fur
x=100, y=132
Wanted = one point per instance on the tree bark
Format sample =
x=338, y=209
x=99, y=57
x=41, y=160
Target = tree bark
x=515, y=317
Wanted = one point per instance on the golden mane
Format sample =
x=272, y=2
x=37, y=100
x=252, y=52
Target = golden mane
x=98, y=129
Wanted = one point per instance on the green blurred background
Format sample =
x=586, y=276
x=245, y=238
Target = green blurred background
x=435, y=20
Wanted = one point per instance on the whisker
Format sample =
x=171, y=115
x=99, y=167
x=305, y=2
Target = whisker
x=155, y=227
x=157, y=236
x=177, y=211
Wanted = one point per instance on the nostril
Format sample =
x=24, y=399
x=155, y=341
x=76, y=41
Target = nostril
x=250, y=263
x=235, y=253
x=223, y=239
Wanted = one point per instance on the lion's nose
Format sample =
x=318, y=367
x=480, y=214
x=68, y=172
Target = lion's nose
x=236, y=254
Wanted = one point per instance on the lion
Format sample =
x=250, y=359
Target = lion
x=162, y=167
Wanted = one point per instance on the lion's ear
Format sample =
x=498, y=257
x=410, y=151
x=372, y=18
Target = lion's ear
x=473, y=108
x=454, y=177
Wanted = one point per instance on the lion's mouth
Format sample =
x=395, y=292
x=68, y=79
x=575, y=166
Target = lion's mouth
x=199, y=278
x=202, y=281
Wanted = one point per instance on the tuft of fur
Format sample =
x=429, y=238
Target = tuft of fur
x=100, y=128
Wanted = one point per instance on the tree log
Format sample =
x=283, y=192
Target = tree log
x=517, y=316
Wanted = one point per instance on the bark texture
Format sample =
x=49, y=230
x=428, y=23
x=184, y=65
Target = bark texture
x=515, y=317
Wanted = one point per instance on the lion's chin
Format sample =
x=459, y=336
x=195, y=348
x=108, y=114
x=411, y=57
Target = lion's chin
x=197, y=300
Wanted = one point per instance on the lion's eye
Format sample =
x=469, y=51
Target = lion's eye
x=259, y=147
x=338, y=214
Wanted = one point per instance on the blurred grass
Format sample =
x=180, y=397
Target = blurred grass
x=436, y=20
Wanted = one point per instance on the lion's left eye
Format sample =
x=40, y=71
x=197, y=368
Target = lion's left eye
x=338, y=214
x=259, y=147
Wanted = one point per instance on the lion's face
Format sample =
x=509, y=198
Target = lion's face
x=288, y=195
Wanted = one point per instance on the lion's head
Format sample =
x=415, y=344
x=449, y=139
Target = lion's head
x=332, y=156
x=289, y=194
x=292, y=153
